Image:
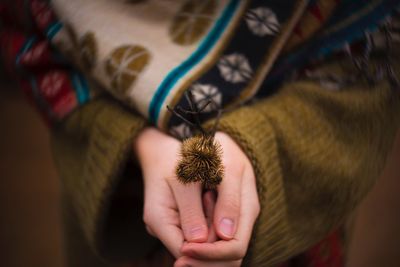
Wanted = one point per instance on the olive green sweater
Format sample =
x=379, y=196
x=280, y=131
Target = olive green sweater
x=315, y=152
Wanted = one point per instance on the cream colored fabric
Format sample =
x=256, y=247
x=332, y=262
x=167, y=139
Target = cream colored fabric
x=142, y=30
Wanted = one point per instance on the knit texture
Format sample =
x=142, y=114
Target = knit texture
x=91, y=150
x=315, y=153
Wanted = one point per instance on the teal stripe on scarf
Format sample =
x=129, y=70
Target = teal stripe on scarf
x=28, y=45
x=210, y=40
x=53, y=29
x=81, y=87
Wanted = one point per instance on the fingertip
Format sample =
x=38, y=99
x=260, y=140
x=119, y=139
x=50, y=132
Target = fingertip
x=197, y=234
x=182, y=262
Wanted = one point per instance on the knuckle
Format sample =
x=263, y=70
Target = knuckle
x=148, y=217
x=170, y=178
x=149, y=231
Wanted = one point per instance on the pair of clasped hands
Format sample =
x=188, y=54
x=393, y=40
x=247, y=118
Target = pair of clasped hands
x=199, y=229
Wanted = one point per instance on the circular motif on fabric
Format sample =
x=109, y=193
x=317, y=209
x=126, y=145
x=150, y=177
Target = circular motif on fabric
x=192, y=21
x=88, y=50
x=235, y=68
x=125, y=64
x=181, y=131
x=262, y=21
x=204, y=93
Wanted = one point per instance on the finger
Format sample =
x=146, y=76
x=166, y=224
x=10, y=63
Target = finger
x=149, y=231
x=162, y=221
x=187, y=261
x=171, y=236
x=163, y=226
x=218, y=251
x=236, y=248
x=189, y=202
x=209, y=199
x=227, y=208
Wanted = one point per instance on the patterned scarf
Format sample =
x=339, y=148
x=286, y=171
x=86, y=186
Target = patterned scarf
x=148, y=53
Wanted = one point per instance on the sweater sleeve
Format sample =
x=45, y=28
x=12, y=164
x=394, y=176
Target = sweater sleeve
x=316, y=153
x=91, y=150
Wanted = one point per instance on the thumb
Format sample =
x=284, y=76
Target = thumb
x=227, y=208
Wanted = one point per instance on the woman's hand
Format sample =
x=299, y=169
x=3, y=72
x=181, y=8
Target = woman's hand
x=236, y=209
x=209, y=199
x=173, y=212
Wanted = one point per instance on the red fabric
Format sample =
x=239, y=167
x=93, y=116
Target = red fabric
x=49, y=82
x=327, y=253
x=42, y=14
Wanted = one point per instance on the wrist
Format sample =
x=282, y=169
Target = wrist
x=140, y=142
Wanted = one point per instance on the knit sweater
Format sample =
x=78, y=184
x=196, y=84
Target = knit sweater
x=315, y=153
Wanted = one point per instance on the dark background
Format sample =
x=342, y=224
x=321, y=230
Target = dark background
x=30, y=217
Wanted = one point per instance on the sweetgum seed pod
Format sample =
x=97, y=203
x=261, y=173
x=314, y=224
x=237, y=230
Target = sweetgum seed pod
x=200, y=161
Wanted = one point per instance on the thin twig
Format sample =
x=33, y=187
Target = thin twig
x=173, y=111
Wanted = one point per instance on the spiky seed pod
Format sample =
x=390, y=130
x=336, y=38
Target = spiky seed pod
x=200, y=161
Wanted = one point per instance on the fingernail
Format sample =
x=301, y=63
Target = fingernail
x=196, y=233
x=226, y=227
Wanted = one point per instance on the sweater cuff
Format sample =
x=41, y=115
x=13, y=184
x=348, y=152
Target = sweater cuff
x=91, y=150
x=254, y=134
